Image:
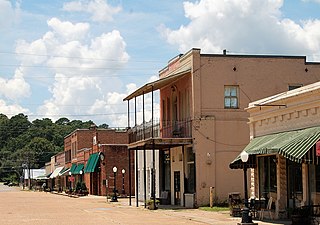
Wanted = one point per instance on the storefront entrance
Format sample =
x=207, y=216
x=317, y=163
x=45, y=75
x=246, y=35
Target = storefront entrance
x=295, y=190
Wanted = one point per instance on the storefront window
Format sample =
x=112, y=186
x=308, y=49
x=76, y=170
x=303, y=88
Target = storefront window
x=314, y=182
x=267, y=176
x=190, y=171
x=294, y=174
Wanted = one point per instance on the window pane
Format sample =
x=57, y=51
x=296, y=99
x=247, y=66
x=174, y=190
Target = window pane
x=233, y=102
x=233, y=91
x=227, y=91
x=227, y=102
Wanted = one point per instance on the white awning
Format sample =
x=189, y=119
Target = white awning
x=56, y=172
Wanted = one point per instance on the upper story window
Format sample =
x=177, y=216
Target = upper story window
x=231, y=97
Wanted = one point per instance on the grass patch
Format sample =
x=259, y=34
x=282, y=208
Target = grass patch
x=214, y=209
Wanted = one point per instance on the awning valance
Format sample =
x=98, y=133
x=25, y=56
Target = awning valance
x=56, y=172
x=92, y=163
x=292, y=145
x=155, y=85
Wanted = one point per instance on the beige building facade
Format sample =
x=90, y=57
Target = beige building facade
x=285, y=149
x=203, y=121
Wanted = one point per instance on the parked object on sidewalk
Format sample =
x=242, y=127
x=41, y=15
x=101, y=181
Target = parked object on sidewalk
x=235, y=204
x=268, y=209
x=152, y=205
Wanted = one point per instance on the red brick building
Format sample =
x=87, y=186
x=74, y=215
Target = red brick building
x=91, y=155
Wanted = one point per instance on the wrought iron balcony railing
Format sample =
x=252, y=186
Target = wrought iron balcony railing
x=165, y=129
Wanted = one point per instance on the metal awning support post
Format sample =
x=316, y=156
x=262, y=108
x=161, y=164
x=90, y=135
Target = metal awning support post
x=153, y=156
x=136, y=155
x=129, y=168
x=137, y=179
x=143, y=117
x=144, y=177
x=129, y=157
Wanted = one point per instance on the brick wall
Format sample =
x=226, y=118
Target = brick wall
x=117, y=156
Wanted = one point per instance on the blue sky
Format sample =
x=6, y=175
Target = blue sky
x=79, y=59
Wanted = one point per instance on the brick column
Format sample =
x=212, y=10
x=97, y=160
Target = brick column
x=281, y=202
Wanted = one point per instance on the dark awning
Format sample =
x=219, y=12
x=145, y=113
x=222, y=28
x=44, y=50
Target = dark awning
x=92, y=163
x=78, y=169
x=73, y=167
x=292, y=145
x=155, y=85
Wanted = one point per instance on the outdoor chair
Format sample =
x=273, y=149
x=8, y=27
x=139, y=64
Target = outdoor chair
x=267, y=209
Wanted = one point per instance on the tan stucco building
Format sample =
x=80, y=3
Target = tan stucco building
x=203, y=124
x=285, y=148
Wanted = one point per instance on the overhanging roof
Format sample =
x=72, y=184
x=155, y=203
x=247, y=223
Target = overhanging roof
x=92, y=163
x=155, y=85
x=78, y=169
x=160, y=143
x=290, y=144
x=56, y=172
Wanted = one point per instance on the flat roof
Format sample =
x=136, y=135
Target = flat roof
x=286, y=94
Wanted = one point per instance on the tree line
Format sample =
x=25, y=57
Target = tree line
x=24, y=143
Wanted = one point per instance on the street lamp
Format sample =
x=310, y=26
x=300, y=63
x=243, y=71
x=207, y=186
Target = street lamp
x=246, y=216
x=81, y=172
x=123, y=172
x=114, y=197
x=70, y=181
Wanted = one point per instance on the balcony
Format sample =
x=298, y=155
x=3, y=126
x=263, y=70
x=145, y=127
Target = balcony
x=163, y=129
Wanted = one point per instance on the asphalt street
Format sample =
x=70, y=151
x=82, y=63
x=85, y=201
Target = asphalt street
x=29, y=207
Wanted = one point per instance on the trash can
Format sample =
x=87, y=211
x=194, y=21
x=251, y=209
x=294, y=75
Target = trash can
x=235, y=204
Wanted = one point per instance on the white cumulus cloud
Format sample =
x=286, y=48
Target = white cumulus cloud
x=11, y=110
x=244, y=26
x=8, y=13
x=100, y=10
x=16, y=87
x=83, y=70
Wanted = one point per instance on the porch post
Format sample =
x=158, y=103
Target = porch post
x=129, y=157
x=153, y=156
x=143, y=117
x=137, y=179
x=144, y=176
x=128, y=114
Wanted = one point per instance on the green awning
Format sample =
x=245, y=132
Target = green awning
x=78, y=169
x=73, y=167
x=92, y=163
x=64, y=171
x=292, y=145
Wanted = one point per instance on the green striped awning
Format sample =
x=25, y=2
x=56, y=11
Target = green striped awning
x=92, y=163
x=73, y=167
x=64, y=171
x=78, y=169
x=293, y=145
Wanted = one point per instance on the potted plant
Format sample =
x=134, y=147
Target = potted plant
x=151, y=204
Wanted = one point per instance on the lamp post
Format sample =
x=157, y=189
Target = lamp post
x=246, y=216
x=123, y=171
x=70, y=181
x=114, y=197
x=81, y=172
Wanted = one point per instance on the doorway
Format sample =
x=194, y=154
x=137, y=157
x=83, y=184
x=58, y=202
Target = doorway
x=177, y=189
x=295, y=190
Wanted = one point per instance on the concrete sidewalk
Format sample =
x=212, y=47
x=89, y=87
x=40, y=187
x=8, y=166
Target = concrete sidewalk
x=191, y=215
